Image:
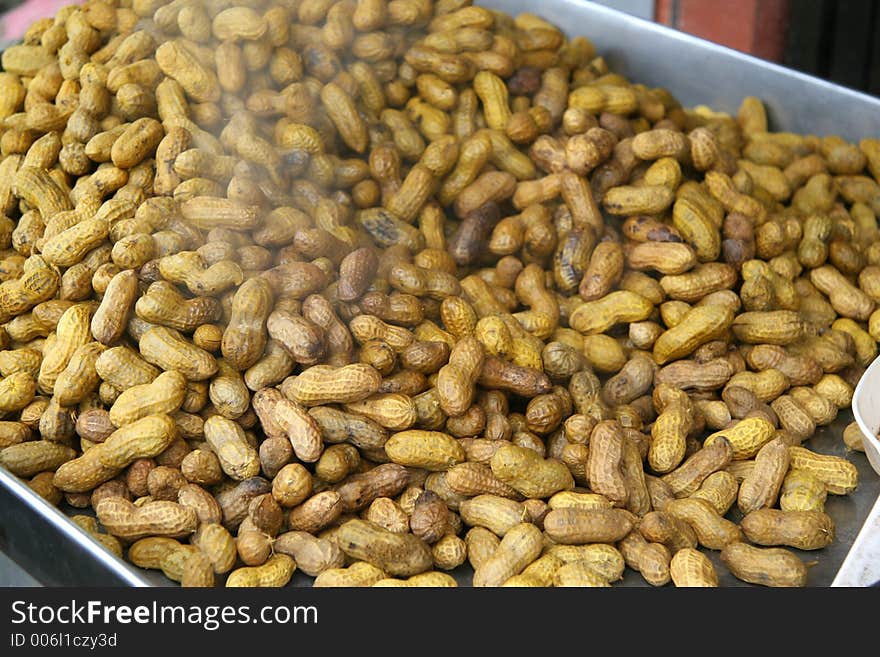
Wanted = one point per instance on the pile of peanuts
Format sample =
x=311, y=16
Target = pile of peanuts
x=372, y=289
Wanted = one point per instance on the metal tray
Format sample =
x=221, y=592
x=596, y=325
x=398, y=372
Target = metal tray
x=58, y=553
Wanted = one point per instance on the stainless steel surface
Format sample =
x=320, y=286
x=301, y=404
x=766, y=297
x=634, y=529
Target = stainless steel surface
x=861, y=567
x=56, y=552
x=641, y=8
x=11, y=574
x=52, y=549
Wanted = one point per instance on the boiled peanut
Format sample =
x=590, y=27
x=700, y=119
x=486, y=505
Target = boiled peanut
x=764, y=566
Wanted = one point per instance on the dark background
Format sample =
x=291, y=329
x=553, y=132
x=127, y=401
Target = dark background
x=837, y=40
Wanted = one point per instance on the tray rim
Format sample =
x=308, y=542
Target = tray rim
x=70, y=530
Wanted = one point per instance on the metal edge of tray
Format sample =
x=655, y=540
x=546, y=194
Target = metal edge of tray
x=30, y=528
x=699, y=72
x=51, y=547
x=861, y=567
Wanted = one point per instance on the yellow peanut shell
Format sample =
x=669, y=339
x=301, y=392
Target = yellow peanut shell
x=28, y=458
x=698, y=326
x=519, y=547
x=801, y=491
x=839, y=475
x=573, y=526
x=761, y=486
x=804, y=530
x=598, y=316
x=169, y=350
x=165, y=394
x=604, y=559
x=746, y=437
x=393, y=411
x=431, y=450
x=492, y=512
x=764, y=566
x=395, y=554
x=227, y=438
x=323, y=384
x=360, y=573
x=712, y=530
x=127, y=521
x=525, y=471
x=692, y=568
x=144, y=438
x=275, y=573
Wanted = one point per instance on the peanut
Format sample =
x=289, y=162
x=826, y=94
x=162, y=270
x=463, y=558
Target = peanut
x=720, y=489
x=698, y=326
x=839, y=475
x=525, y=471
x=431, y=450
x=497, y=514
x=323, y=384
x=456, y=380
x=761, y=487
x=144, y=438
x=598, y=316
x=164, y=394
x=604, y=464
x=28, y=458
x=573, y=526
x=244, y=337
x=169, y=350
x=519, y=547
x=652, y=560
x=276, y=572
x=667, y=529
x=746, y=437
x=283, y=417
x=712, y=530
x=805, y=530
x=129, y=522
x=395, y=554
x=312, y=555
x=801, y=491
x=692, y=568
x=360, y=573
x=686, y=479
x=764, y=566
x=237, y=458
